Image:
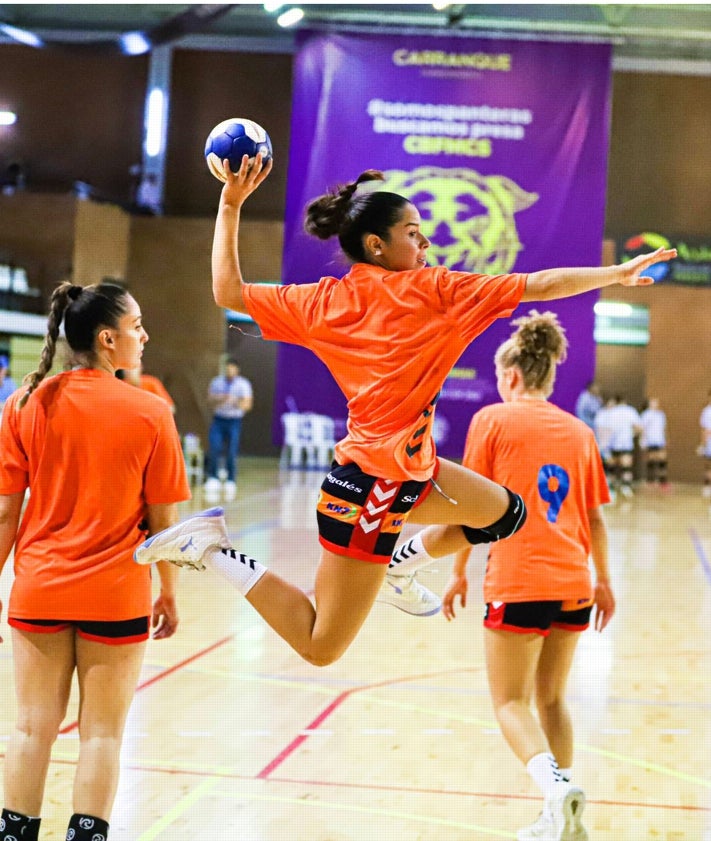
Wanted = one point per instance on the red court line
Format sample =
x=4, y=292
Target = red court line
x=165, y=673
x=324, y=714
x=229, y=775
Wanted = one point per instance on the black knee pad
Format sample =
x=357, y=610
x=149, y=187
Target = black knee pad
x=509, y=524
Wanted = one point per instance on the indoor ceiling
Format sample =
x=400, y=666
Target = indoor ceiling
x=677, y=33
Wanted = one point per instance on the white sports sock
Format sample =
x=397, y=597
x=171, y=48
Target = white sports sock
x=545, y=772
x=239, y=569
x=409, y=557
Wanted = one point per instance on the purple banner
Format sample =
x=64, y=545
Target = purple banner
x=501, y=145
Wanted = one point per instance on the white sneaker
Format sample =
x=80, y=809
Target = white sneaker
x=541, y=830
x=185, y=543
x=626, y=491
x=560, y=819
x=212, y=489
x=706, y=491
x=230, y=490
x=405, y=593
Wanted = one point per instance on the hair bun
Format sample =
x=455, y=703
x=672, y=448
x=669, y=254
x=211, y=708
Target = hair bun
x=74, y=292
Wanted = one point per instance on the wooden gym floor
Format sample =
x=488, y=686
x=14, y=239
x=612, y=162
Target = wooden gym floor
x=232, y=736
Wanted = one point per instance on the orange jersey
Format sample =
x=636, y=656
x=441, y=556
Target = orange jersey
x=94, y=452
x=390, y=340
x=551, y=459
x=152, y=384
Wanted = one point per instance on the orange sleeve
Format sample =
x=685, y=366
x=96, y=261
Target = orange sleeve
x=165, y=475
x=597, y=491
x=475, y=301
x=282, y=312
x=477, y=449
x=14, y=467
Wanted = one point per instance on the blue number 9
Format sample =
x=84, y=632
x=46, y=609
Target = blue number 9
x=557, y=497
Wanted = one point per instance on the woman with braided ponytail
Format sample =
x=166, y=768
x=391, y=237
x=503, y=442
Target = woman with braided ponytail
x=389, y=331
x=105, y=468
x=537, y=586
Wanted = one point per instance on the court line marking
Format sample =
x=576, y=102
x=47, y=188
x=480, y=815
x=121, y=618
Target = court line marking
x=162, y=674
x=198, y=770
x=368, y=810
x=701, y=554
x=180, y=807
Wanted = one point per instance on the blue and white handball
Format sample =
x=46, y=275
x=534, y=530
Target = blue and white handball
x=232, y=139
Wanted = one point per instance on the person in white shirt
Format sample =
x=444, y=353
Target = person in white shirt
x=603, y=434
x=654, y=442
x=624, y=424
x=230, y=397
x=705, y=446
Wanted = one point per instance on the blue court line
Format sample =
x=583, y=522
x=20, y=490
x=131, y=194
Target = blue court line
x=701, y=554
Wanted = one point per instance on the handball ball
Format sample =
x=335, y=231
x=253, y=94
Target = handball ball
x=232, y=139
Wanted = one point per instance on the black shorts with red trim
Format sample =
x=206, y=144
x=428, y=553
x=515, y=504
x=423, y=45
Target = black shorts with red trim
x=361, y=516
x=538, y=617
x=123, y=632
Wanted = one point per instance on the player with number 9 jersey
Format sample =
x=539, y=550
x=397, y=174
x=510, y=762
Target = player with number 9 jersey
x=537, y=586
x=551, y=458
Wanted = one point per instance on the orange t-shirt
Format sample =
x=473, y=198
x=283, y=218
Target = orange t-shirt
x=153, y=385
x=551, y=459
x=390, y=340
x=94, y=452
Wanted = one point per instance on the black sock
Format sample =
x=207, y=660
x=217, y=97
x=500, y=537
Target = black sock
x=87, y=828
x=16, y=825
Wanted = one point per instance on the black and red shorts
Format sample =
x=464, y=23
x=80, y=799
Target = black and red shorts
x=361, y=516
x=123, y=632
x=538, y=617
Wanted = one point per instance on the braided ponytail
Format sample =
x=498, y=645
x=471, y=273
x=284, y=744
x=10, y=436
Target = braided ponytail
x=60, y=300
x=84, y=310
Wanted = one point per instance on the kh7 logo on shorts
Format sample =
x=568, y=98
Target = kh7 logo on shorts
x=336, y=508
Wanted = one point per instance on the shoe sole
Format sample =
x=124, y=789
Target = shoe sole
x=209, y=512
x=409, y=612
x=573, y=806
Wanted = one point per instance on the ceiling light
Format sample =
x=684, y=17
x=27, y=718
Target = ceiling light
x=440, y=5
x=23, y=36
x=134, y=43
x=154, y=123
x=8, y=118
x=272, y=5
x=290, y=17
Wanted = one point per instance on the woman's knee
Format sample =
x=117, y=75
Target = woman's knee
x=41, y=721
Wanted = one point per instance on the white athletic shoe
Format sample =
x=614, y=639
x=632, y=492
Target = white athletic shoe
x=706, y=491
x=406, y=593
x=230, y=490
x=212, y=489
x=185, y=543
x=541, y=830
x=560, y=819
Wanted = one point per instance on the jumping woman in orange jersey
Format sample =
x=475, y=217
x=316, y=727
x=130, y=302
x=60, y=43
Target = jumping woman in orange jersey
x=389, y=331
x=537, y=587
x=101, y=460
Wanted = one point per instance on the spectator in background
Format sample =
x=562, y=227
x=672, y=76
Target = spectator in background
x=654, y=442
x=7, y=384
x=603, y=435
x=589, y=404
x=147, y=382
x=705, y=446
x=230, y=397
x=624, y=424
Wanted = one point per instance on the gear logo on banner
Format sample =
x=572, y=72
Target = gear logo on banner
x=469, y=218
